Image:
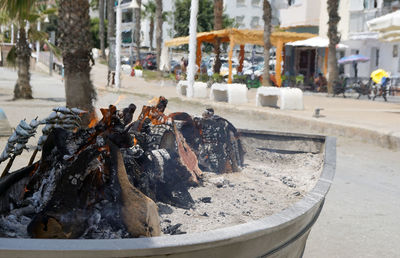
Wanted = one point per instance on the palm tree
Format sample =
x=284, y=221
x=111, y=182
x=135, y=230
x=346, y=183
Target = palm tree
x=267, y=16
x=159, y=19
x=334, y=39
x=150, y=13
x=218, y=11
x=138, y=15
x=20, y=10
x=101, y=29
x=76, y=45
x=21, y=13
x=110, y=36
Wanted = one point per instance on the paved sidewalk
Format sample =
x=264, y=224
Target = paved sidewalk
x=377, y=122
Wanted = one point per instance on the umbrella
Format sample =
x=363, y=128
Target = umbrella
x=353, y=59
x=317, y=42
x=377, y=75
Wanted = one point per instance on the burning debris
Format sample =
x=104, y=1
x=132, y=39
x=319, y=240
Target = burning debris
x=103, y=181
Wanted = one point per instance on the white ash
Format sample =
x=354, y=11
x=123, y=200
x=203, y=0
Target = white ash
x=256, y=192
x=14, y=226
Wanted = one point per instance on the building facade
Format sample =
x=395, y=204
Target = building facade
x=246, y=13
x=312, y=16
x=353, y=28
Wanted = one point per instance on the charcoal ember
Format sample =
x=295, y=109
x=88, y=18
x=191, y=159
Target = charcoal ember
x=164, y=181
x=127, y=114
x=206, y=199
x=14, y=226
x=103, y=181
x=173, y=230
x=220, y=149
x=160, y=135
x=186, y=125
x=12, y=187
x=288, y=181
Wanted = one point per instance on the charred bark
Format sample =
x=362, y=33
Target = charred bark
x=103, y=182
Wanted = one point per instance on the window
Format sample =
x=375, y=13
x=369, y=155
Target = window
x=255, y=3
x=255, y=22
x=127, y=15
x=240, y=3
x=398, y=65
x=377, y=57
x=240, y=21
x=369, y=4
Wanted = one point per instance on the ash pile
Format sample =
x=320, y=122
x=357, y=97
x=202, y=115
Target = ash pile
x=102, y=182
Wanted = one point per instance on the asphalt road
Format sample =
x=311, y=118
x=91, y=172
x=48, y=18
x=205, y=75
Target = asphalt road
x=361, y=213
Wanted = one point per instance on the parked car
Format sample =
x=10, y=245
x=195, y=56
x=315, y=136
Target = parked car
x=149, y=62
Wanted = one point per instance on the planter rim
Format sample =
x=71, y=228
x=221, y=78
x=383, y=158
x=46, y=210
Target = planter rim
x=195, y=241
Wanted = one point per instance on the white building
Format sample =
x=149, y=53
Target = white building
x=312, y=16
x=246, y=13
x=354, y=31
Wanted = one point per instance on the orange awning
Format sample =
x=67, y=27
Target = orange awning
x=242, y=37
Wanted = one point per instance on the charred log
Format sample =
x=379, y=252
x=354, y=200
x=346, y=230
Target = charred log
x=103, y=181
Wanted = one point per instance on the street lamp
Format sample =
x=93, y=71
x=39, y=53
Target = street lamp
x=133, y=4
x=46, y=20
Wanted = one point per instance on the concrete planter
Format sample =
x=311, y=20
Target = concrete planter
x=138, y=73
x=283, y=234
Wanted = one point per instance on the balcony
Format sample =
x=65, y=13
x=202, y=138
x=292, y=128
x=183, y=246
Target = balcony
x=358, y=22
x=306, y=13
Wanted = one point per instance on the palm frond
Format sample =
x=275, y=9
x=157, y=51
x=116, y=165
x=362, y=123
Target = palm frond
x=35, y=35
x=32, y=17
x=18, y=9
x=49, y=11
x=54, y=48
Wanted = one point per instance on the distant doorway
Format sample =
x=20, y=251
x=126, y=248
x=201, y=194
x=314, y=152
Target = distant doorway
x=306, y=64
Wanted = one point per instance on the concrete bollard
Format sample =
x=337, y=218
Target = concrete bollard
x=181, y=88
x=237, y=93
x=232, y=93
x=219, y=92
x=289, y=98
x=200, y=90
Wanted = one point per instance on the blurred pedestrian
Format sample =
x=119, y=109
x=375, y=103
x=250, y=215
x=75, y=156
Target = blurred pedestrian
x=321, y=83
x=183, y=65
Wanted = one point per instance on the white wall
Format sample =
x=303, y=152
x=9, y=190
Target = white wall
x=366, y=47
x=247, y=10
x=343, y=26
x=168, y=6
x=303, y=13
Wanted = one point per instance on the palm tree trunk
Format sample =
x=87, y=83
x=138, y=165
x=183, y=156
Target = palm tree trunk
x=151, y=33
x=76, y=45
x=218, y=10
x=110, y=30
x=101, y=29
x=111, y=19
x=334, y=39
x=159, y=18
x=267, y=41
x=22, y=89
x=138, y=15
